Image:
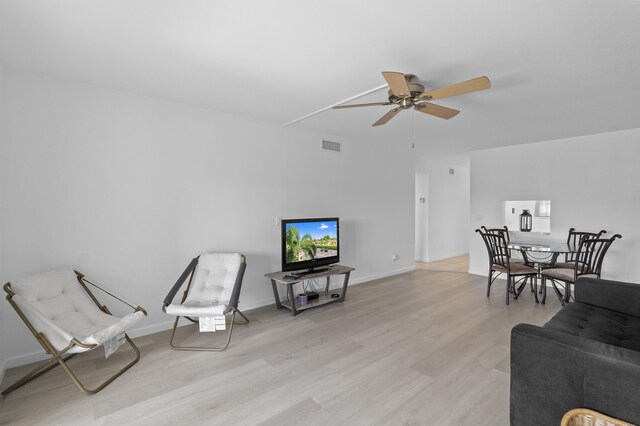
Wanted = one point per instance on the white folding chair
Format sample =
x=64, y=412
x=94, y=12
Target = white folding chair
x=67, y=319
x=212, y=293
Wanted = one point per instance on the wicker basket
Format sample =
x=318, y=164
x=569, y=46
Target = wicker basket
x=585, y=417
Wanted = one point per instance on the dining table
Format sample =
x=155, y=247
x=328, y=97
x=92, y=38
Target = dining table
x=541, y=251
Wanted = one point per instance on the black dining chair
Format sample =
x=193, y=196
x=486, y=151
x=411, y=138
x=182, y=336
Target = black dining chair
x=573, y=240
x=587, y=262
x=505, y=232
x=526, y=258
x=500, y=263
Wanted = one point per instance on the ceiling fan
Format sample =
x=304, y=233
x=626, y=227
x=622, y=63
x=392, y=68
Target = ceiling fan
x=405, y=92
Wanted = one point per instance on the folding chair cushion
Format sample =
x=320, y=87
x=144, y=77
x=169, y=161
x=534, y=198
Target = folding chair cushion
x=57, y=305
x=211, y=287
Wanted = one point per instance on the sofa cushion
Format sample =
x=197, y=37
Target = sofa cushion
x=598, y=324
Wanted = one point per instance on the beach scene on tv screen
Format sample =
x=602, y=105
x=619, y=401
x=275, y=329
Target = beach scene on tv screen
x=311, y=240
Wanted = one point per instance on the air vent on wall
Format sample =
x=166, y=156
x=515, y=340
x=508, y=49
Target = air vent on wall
x=452, y=172
x=331, y=146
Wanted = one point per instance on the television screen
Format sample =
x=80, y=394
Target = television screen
x=310, y=243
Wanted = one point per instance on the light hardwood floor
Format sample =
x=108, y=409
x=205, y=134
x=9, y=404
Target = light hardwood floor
x=421, y=348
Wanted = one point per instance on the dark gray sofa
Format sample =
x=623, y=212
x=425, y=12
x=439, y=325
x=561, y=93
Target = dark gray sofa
x=587, y=355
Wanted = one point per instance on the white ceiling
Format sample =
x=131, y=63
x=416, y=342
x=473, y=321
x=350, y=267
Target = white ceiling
x=559, y=68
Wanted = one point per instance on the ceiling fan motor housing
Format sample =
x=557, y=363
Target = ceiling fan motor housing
x=407, y=101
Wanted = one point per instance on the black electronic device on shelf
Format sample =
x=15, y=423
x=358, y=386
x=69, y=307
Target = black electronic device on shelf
x=310, y=245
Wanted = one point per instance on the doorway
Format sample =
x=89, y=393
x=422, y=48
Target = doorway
x=422, y=218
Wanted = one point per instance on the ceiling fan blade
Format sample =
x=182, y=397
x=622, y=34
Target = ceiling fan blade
x=480, y=83
x=388, y=116
x=361, y=105
x=397, y=83
x=437, y=110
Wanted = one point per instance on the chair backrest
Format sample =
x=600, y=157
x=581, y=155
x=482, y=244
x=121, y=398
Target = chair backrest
x=503, y=231
x=497, y=249
x=574, y=238
x=591, y=254
x=217, y=278
x=56, y=304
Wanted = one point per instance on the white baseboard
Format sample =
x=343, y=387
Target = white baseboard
x=150, y=329
x=368, y=278
x=257, y=304
x=482, y=272
x=17, y=361
x=449, y=256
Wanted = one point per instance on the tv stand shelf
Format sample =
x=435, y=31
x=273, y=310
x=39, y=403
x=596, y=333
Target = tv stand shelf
x=324, y=297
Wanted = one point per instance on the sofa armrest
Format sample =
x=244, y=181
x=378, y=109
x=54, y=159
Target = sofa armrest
x=614, y=295
x=553, y=372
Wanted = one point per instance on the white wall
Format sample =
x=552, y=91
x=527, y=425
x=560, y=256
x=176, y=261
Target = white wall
x=448, y=205
x=128, y=189
x=592, y=182
x=3, y=164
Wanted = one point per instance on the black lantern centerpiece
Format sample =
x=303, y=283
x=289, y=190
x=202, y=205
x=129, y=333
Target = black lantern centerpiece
x=526, y=221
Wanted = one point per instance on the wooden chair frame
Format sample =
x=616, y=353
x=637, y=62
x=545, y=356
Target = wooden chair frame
x=588, y=417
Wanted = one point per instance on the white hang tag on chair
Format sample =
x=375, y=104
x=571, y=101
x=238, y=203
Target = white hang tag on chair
x=207, y=323
x=112, y=345
x=221, y=322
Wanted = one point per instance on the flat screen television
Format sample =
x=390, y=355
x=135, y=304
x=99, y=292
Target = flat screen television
x=310, y=244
